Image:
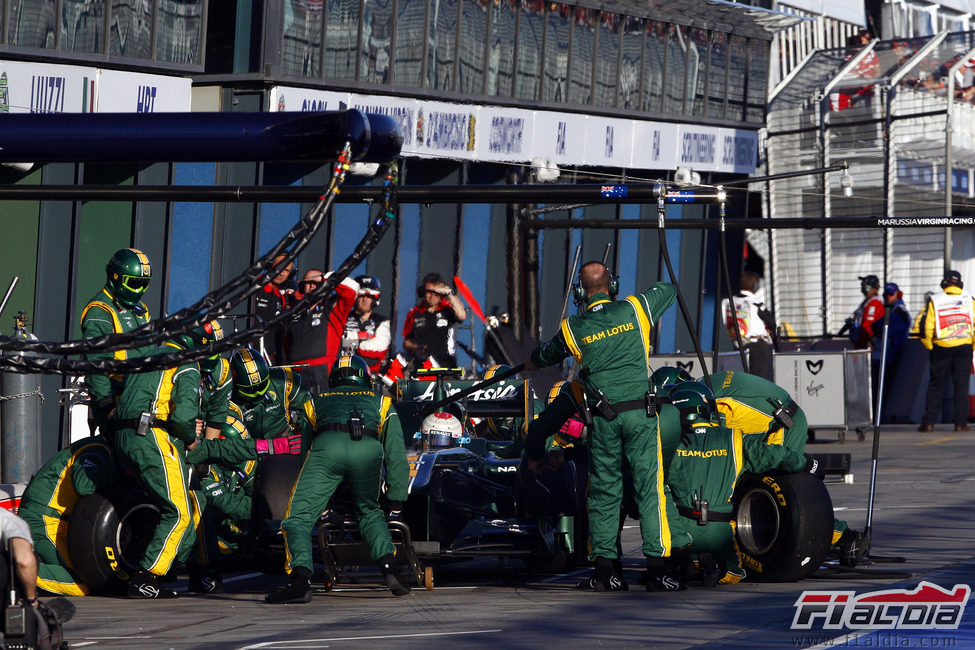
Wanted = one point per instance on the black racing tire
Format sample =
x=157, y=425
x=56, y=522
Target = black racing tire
x=784, y=525
x=276, y=476
x=107, y=536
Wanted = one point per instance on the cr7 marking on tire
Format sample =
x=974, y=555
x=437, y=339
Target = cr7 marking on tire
x=769, y=481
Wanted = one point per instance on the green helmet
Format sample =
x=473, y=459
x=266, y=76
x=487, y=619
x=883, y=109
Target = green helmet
x=695, y=401
x=202, y=336
x=496, y=369
x=128, y=274
x=350, y=370
x=234, y=428
x=252, y=376
x=668, y=376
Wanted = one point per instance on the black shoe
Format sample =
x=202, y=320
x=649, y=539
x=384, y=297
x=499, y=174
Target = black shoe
x=203, y=581
x=711, y=573
x=393, y=580
x=615, y=583
x=146, y=585
x=663, y=576
x=298, y=590
x=851, y=547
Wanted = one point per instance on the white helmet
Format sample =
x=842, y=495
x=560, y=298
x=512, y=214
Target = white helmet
x=441, y=430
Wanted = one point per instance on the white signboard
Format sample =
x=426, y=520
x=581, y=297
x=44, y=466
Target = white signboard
x=46, y=88
x=132, y=92
x=816, y=382
x=505, y=134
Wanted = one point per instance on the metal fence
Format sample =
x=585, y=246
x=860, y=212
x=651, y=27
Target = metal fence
x=884, y=108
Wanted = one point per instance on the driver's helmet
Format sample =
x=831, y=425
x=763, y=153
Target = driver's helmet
x=441, y=431
x=127, y=275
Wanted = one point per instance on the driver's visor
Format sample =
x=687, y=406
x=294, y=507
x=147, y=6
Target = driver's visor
x=133, y=283
x=256, y=390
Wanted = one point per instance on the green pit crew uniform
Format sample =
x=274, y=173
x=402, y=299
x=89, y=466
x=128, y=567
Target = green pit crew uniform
x=708, y=463
x=611, y=341
x=270, y=415
x=104, y=315
x=172, y=396
x=85, y=467
x=743, y=399
x=334, y=457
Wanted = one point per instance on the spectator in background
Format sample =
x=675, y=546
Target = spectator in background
x=314, y=337
x=278, y=295
x=428, y=330
x=366, y=332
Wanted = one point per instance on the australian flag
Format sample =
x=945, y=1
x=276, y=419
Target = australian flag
x=612, y=191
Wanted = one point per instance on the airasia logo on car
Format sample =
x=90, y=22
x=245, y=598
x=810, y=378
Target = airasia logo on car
x=503, y=391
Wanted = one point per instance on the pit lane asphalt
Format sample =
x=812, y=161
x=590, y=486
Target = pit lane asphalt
x=924, y=511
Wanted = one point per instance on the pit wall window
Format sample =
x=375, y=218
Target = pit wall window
x=377, y=42
x=341, y=39
x=500, y=57
x=655, y=64
x=583, y=54
x=302, y=44
x=163, y=31
x=558, y=41
x=631, y=63
x=442, y=44
x=531, y=29
x=411, y=21
x=607, y=60
x=473, y=32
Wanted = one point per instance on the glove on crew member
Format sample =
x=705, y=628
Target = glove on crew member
x=116, y=309
x=610, y=342
x=356, y=433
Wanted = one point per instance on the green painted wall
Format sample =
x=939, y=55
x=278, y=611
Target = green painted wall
x=18, y=254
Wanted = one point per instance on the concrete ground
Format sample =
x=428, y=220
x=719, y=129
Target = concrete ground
x=923, y=512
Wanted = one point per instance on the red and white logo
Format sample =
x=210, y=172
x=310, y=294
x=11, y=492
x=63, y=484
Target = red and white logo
x=927, y=607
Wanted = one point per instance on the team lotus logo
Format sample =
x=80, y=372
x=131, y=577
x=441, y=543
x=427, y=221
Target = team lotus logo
x=927, y=607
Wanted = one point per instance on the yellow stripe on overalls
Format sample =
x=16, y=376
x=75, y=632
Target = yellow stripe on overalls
x=665, y=538
x=176, y=492
x=644, y=323
x=570, y=340
x=384, y=413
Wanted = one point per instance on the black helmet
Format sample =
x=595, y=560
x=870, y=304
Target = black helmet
x=369, y=286
x=350, y=370
x=695, y=401
x=128, y=274
x=868, y=282
x=668, y=376
x=252, y=376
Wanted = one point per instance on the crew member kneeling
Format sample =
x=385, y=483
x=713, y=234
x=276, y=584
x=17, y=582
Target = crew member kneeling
x=356, y=432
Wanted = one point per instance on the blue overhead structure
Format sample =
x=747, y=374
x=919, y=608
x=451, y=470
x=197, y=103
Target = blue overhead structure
x=202, y=137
